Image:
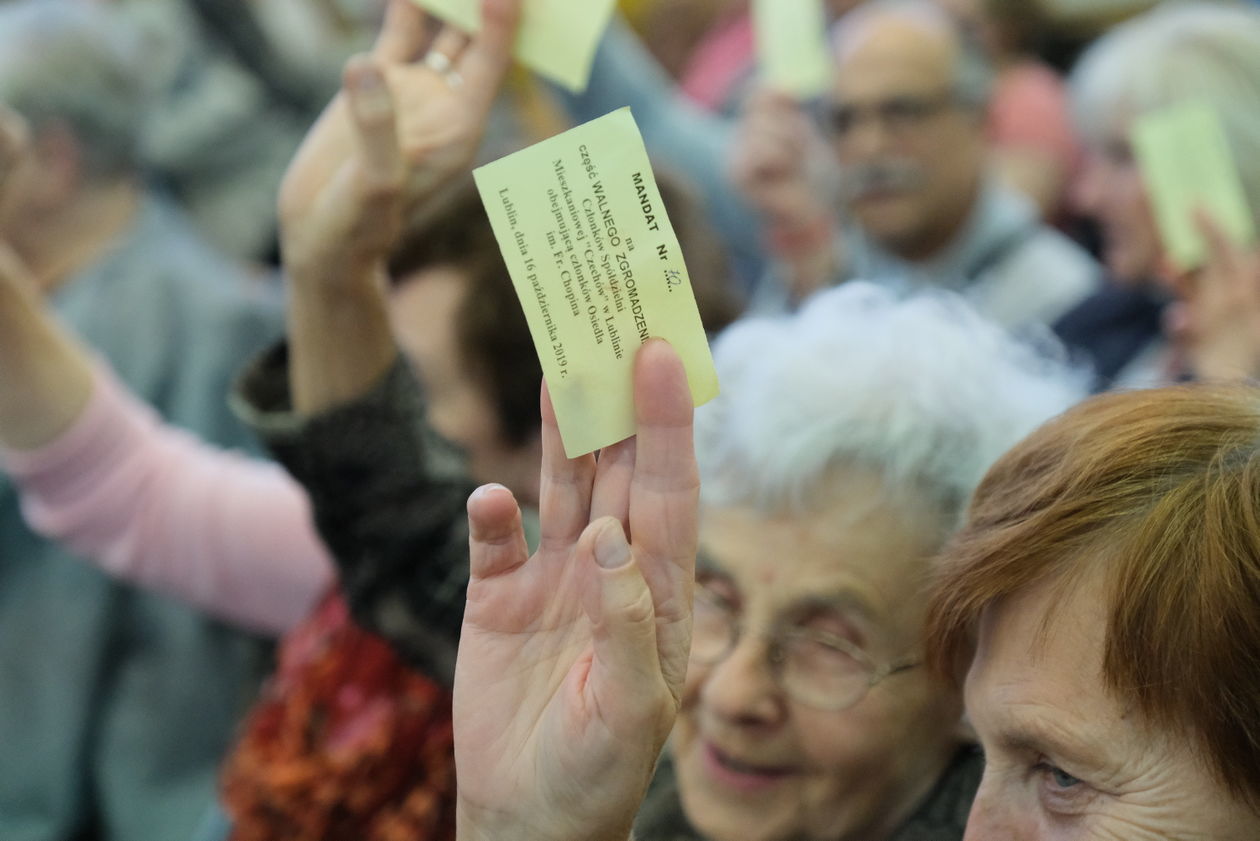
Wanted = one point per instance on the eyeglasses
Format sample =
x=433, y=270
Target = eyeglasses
x=897, y=115
x=813, y=667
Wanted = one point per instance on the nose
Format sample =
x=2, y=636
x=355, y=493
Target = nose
x=866, y=139
x=741, y=689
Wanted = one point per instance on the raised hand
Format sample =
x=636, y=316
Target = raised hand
x=410, y=117
x=571, y=662
x=402, y=127
x=780, y=164
x=45, y=375
x=1216, y=320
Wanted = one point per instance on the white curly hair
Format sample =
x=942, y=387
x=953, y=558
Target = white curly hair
x=921, y=390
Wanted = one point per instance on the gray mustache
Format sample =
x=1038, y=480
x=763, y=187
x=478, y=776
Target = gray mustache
x=863, y=179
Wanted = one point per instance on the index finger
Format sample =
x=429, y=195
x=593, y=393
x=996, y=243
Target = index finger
x=486, y=61
x=665, y=488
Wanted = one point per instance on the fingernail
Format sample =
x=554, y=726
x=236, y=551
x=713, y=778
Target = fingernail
x=611, y=549
x=486, y=489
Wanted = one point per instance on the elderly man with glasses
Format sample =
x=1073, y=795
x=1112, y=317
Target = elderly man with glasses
x=904, y=165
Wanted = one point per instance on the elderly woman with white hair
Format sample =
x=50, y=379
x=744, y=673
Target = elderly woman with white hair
x=836, y=463
x=1178, y=52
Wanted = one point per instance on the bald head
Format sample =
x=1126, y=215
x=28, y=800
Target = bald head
x=916, y=35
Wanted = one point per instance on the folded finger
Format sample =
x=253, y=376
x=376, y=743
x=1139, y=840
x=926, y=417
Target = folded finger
x=565, y=485
x=614, y=471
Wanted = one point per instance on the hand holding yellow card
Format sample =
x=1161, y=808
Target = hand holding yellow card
x=557, y=38
x=792, y=45
x=598, y=270
x=1187, y=165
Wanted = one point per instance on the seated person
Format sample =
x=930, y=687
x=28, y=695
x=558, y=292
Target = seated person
x=1205, y=52
x=909, y=163
x=119, y=703
x=129, y=493
x=1035, y=147
x=825, y=490
x=1102, y=606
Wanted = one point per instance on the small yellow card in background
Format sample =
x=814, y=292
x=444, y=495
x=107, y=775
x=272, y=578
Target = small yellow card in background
x=1186, y=164
x=598, y=270
x=557, y=39
x=792, y=45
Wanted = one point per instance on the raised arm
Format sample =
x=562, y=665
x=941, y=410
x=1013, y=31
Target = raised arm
x=99, y=471
x=571, y=662
x=403, y=127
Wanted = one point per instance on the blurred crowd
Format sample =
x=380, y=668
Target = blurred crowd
x=258, y=346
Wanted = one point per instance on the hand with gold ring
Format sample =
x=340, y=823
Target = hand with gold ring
x=407, y=120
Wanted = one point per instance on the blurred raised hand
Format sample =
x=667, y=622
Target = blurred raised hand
x=408, y=120
x=1215, y=322
x=780, y=163
x=410, y=117
x=571, y=662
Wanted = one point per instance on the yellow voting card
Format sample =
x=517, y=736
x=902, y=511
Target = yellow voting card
x=557, y=38
x=792, y=45
x=1186, y=164
x=598, y=270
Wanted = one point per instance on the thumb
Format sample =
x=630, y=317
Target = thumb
x=625, y=677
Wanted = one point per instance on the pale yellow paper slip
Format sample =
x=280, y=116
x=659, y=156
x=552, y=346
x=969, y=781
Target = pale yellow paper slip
x=792, y=45
x=557, y=38
x=1186, y=164
x=598, y=270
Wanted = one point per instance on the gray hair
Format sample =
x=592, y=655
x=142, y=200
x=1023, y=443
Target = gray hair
x=1196, y=50
x=921, y=390
x=973, y=72
x=77, y=64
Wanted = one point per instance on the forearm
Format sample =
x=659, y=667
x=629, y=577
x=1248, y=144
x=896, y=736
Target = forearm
x=45, y=376
x=340, y=338
x=387, y=498
x=155, y=506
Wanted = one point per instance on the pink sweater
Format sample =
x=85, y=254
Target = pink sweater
x=155, y=506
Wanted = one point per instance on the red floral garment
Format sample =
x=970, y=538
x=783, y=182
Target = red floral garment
x=346, y=742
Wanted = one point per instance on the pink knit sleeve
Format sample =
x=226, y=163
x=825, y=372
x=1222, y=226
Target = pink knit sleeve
x=155, y=506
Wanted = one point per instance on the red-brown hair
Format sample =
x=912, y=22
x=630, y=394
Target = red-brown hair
x=1163, y=487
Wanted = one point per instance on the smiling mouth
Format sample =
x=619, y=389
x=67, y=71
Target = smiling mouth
x=742, y=776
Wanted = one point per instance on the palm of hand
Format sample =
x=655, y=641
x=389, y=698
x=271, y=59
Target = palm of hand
x=571, y=662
